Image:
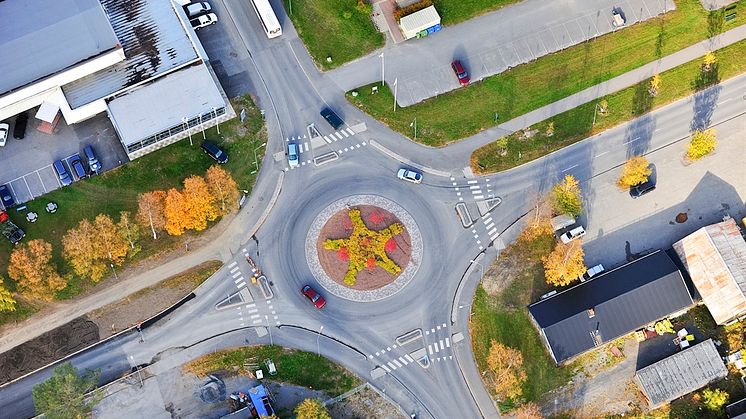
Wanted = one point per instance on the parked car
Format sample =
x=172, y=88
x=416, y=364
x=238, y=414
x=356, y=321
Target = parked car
x=214, y=151
x=461, y=73
x=197, y=8
x=19, y=129
x=6, y=196
x=77, y=167
x=204, y=20
x=93, y=164
x=293, y=159
x=332, y=118
x=4, y=128
x=641, y=189
x=573, y=234
x=591, y=272
x=409, y=175
x=62, y=173
x=313, y=296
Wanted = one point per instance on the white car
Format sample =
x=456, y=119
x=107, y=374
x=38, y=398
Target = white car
x=4, y=129
x=293, y=160
x=591, y=272
x=204, y=20
x=409, y=175
x=573, y=234
x=197, y=8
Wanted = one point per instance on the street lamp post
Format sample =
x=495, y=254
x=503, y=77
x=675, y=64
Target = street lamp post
x=256, y=163
x=383, y=69
x=132, y=358
x=414, y=124
x=318, y=336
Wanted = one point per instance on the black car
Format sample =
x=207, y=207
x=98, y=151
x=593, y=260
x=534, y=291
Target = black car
x=332, y=118
x=215, y=152
x=77, y=167
x=19, y=130
x=6, y=196
x=641, y=189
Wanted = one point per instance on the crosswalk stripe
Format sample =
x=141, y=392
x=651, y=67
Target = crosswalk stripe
x=338, y=135
x=350, y=131
x=487, y=220
x=430, y=349
x=240, y=285
x=441, y=344
x=255, y=316
x=471, y=182
x=495, y=236
x=476, y=192
x=378, y=353
x=397, y=363
x=448, y=343
x=385, y=368
x=391, y=365
x=253, y=310
x=327, y=140
x=236, y=275
x=474, y=187
x=306, y=145
x=409, y=358
x=234, y=269
x=238, y=280
x=256, y=321
x=490, y=226
x=491, y=232
x=232, y=264
x=479, y=197
x=403, y=361
x=435, y=347
x=345, y=134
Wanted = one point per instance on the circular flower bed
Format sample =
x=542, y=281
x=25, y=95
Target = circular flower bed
x=363, y=247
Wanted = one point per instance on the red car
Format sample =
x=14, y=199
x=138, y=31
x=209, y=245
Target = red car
x=314, y=296
x=463, y=76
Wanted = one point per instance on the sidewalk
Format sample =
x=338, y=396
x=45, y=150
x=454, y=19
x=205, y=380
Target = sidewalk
x=463, y=149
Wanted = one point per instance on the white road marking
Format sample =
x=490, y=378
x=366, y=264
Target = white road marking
x=357, y=145
x=570, y=168
x=432, y=330
x=345, y=134
x=256, y=321
x=479, y=197
x=385, y=368
x=601, y=154
x=397, y=363
x=238, y=280
x=328, y=141
x=378, y=353
x=409, y=358
x=491, y=232
x=370, y=356
x=338, y=135
x=435, y=347
x=458, y=193
x=441, y=344
x=481, y=248
x=393, y=347
x=364, y=144
x=495, y=236
x=254, y=310
x=306, y=145
x=474, y=230
x=250, y=305
x=232, y=264
x=240, y=285
x=388, y=349
x=460, y=199
x=392, y=366
x=632, y=140
x=489, y=227
x=487, y=220
x=403, y=361
x=430, y=349
x=350, y=131
x=302, y=163
x=255, y=316
x=453, y=178
x=479, y=242
x=470, y=182
x=438, y=328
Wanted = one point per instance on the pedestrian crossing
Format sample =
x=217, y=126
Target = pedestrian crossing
x=437, y=348
x=251, y=313
x=306, y=146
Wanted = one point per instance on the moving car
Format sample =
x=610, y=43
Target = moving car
x=6, y=196
x=409, y=175
x=19, y=129
x=62, y=174
x=641, y=189
x=293, y=160
x=332, y=118
x=461, y=74
x=573, y=234
x=77, y=167
x=4, y=128
x=212, y=150
x=204, y=20
x=197, y=8
x=591, y=272
x=93, y=164
x=313, y=296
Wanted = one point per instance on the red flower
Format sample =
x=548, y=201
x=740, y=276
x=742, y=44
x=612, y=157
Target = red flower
x=390, y=245
x=370, y=263
x=343, y=254
x=376, y=217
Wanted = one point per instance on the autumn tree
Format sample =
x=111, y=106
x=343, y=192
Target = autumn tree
x=150, y=211
x=528, y=411
x=565, y=264
x=565, y=197
x=176, y=212
x=111, y=245
x=64, y=394
x=714, y=399
x=709, y=61
x=7, y=302
x=81, y=252
x=130, y=232
x=506, y=366
x=539, y=220
x=636, y=170
x=655, y=85
x=223, y=188
x=199, y=202
x=701, y=144
x=31, y=266
x=311, y=409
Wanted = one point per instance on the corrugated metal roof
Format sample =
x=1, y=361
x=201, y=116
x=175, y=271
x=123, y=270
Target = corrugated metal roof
x=154, y=42
x=623, y=299
x=420, y=20
x=715, y=257
x=39, y=38
x=681, y=373
x=163, y=103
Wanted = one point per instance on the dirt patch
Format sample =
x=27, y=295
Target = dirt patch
x=682, y=217
x=339, y=226
x=47, y=348
x=364, y=404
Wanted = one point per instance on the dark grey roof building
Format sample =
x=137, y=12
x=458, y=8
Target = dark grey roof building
x=681, y=373
x=610, y=305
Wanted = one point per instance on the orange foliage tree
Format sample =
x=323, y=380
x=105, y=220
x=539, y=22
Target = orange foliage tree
x=150, y=212
x=223, y=188
x=199, y=202
x=31, y=266
x=176, y=212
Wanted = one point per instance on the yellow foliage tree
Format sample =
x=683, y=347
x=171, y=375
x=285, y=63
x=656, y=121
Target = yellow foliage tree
x=80, y=251
x=150, y=211
x=111, y=245
x=539, y=223
x=528, y=411
x=565, y=197
x=636, y=170
x=565, y=264
x=223, y=188
x=709, y=61
x=506, y=367
x=701, y=144
x=129, y=231
x=31, y=266
x=200, y=203
x=311, y=409
x=7, y=302
x=655, y=85
x=176, y=212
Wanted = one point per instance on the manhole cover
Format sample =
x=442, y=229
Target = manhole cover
x=682, y=217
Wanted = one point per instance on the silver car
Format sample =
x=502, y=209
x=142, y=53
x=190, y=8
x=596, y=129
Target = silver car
x=293, y=160
x=409, y=175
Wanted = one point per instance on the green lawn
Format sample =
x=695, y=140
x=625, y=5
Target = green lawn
x=456, y=11
x=504, y=318
x=295, y=367
x=577, y=124
x=463, y=112
x=341, y=29
x=117, y=190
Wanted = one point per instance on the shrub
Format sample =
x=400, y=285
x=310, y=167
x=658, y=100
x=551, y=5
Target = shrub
x=637, y=170
x=701, y=144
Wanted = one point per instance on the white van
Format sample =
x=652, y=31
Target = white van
x=197, y=8
x=573, y=234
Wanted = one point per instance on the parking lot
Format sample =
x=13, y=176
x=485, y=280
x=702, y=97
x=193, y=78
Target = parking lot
x=26, y=165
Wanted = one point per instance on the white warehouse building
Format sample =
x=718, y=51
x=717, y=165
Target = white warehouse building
x=138, y=61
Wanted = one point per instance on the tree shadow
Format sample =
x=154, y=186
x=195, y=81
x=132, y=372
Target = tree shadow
x=715, y=22
x=659, y=41
x=705, y=100
x=639, y=131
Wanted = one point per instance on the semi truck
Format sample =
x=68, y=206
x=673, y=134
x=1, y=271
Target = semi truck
x=12, y=232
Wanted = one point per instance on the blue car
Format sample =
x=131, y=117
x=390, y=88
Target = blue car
x=6, y=196
x=62, y=173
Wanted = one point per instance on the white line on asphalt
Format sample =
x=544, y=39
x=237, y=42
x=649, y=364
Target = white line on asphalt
x=601, y=154
x=448, y=342
x=393, y=347
x=432, y=330
x=334, y=138
x=388, y=349
x=403, y=361
x=435, y=347
x=350, y=131
x=570, y=168
x=240, y=318
x=338, y=135
x=257, y=321
x=370, y=356
x=427, y=332
x=250, y=305
x=255, y=316
x=269, y=302
x=378, y=353
x=474, y=187
x=238, y=280
x=458, y=193
x=397, y=363
x=308, y=161
x=479, y=242
x=490, y=226
x=470, y=182
x=437, y=328
x=430, y=349
x=441, y=344
x=479, y=197
x=236, y=275
x=232, y=264
x=275, y=317
x=492, y=238
x=460, y=199
x=306, y=145
x=345, y=148
x=364, y=144
x=238, y=308
x=724, y=100
x=345, y=134
x=487, y=219
x=454, y=183
x=481, y=248
x=357, y=145
x=240, y=285
x=273, y=312
x=327, y=140
x=409, y=358
x=385, y=368
x=476, y=236
x=632, y=140
x=253, y=310
x=474, y=230
x=392, y=366
x=491, y=232
x=302, y=163
x=452, y=178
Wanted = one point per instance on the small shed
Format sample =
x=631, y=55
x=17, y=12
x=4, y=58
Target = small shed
x=681, y=373
x=715, y=257
x=419, y=21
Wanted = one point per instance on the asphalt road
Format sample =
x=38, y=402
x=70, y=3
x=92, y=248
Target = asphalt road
x=361, y=336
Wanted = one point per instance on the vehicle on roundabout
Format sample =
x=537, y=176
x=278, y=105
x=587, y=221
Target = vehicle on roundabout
x=313, y=296
x=409, y=175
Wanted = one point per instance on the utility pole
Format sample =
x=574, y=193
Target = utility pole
x=383, y=69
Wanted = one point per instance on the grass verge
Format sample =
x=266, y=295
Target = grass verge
x=577, y=124
x=340, y=29
x=294, y=367
x=191, y=278
x=117, y=190
x=457, y=11
x=504, y=316
x=463, y=112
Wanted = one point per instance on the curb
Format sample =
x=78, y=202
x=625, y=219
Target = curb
x=405, y=160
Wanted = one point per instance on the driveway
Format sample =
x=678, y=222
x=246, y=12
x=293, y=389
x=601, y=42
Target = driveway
x=491, y=44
